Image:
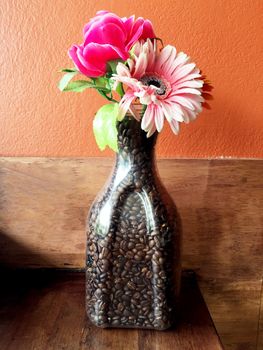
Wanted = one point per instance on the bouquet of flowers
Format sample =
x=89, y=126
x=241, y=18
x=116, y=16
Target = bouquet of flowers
x=126, y=63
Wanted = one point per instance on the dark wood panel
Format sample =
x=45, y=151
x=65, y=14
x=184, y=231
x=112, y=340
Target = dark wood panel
x=45, y=310
x=44, y=203
x=260, y=322
x=234, y=306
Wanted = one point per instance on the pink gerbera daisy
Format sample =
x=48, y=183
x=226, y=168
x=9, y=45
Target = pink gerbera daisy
x=166, y=82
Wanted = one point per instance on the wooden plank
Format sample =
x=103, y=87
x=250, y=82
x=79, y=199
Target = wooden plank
x=47, y=311
x=235, y=309
x=44, y=203
x=260, y=321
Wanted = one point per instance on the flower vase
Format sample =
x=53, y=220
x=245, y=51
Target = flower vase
x=133, y=241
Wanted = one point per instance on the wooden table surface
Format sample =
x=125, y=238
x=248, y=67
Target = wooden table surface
x=45, y=310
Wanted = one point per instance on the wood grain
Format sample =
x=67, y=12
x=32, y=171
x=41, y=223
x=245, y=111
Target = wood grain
x=45, y=310
x=260, y=322
x=44, y=203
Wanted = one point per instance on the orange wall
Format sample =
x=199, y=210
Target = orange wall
x=224, y=37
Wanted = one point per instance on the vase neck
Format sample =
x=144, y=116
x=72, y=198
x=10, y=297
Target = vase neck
x=134, y=146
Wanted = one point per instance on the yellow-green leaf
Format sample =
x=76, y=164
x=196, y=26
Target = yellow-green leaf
x=64, y=81
x=104, y=126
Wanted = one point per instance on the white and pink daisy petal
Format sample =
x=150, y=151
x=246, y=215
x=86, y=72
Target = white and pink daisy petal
x=174, y=126
x=151, y=129
x=159, y=118
x=147, y=118
x=125, y=104
x=172, y=111
x=122, y=70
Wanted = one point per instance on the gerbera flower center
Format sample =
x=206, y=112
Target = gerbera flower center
x=153, y=80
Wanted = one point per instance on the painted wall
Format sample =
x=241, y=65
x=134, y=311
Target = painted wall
x=223, y=37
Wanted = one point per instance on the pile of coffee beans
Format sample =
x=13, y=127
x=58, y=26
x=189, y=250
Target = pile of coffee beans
x=133, y=262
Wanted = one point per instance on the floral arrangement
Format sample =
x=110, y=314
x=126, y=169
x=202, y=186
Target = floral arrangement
x=121, y=59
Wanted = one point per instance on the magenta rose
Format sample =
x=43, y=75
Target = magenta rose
x=108, y=37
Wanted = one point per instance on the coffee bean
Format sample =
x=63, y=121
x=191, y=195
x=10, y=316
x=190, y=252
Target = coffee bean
x=130, y=254
x=151, y=243
x=144, y=269
x=120, y=307
x=131, y=285
x=131, y=245
x=149, y=274
x=137, y=295
x=137, y=257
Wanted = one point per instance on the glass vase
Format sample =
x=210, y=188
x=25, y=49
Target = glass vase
x=133, y=241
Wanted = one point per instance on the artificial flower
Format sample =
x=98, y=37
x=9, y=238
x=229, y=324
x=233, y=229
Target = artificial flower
x=108, y=37
x=166, y=82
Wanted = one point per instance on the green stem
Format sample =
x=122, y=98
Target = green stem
x=107, y=97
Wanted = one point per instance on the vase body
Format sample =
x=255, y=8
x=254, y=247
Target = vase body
x=133, y=241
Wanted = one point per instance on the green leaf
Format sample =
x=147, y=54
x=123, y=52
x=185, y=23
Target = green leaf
x=104, y=126
x=68, y=70
x=102, y=83
x=78, y=85
x=81, y=85
x=113, y=64
x=65, y=80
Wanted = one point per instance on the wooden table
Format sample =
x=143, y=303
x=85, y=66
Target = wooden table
x=44, y=309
